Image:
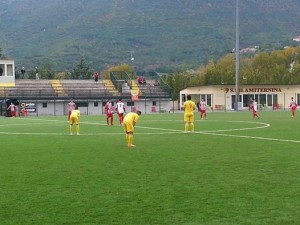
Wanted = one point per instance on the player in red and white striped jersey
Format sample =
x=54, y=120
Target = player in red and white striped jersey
x=109, y=110
x=293, y=106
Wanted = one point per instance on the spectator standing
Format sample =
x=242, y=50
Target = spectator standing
x=96, y=76
x=23, y=71
x=140, y=80
x=37, y=77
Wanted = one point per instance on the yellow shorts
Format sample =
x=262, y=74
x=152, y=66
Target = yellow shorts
x=74, y=120
x=189, y=117
x=128, y=127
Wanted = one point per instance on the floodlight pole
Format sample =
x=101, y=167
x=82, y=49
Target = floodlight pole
x=131, y=56
x=237, y=56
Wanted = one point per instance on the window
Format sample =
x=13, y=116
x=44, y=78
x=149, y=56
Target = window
x=82, y=104
x=247, y=100
x=130, y=103
x=262, y=100
x=95, y=104
x=269, y=100
x=275, y=99
x=209, y=100
x=45, y=105
x=10, y=70
x=154, y=103
x=2, y=72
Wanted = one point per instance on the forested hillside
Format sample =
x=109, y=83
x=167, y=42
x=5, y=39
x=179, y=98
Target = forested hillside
x=158, y=34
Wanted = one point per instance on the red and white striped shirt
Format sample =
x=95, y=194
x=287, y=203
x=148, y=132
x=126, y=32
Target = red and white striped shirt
x=71, y=106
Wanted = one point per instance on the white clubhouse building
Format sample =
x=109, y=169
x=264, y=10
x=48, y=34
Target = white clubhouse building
x=222, y=97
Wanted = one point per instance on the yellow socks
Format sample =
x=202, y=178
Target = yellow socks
x=192, y=127
x=71, y=129
x=186, y=127
x=189, y=127
x=130, y=138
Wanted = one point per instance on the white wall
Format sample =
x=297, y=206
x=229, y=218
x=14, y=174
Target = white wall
x=8, y=75
x=58, y=107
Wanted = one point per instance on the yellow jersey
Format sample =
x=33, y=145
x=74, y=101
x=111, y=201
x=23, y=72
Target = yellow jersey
x=189, y=106
x=131, y=117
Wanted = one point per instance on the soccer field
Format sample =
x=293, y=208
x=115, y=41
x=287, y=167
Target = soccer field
x=232, y=170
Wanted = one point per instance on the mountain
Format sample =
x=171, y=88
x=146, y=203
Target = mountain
x=157, y=34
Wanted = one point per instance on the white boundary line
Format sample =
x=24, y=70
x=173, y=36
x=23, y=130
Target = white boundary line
x=253, y=137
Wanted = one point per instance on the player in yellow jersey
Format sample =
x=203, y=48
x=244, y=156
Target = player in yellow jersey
x=74, y=118
x=129, y=122
x=189, y=106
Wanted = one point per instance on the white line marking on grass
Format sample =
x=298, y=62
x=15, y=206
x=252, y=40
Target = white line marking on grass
x=165, y=130
x=263, y=125
x=43, y=120
x=27, y=133
x=97, y=124
x=84, y=134
x=156, y=128
x=26, y=124
x=251, y=137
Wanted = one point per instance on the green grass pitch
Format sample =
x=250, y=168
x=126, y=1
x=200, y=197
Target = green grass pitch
x=232, y=171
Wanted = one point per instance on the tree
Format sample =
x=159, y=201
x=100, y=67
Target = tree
x=81, y=71
x=62, y=75
x=175, y=82
x=277, y=67
x=1, y=54
x=45, y=70
x=120, y=68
